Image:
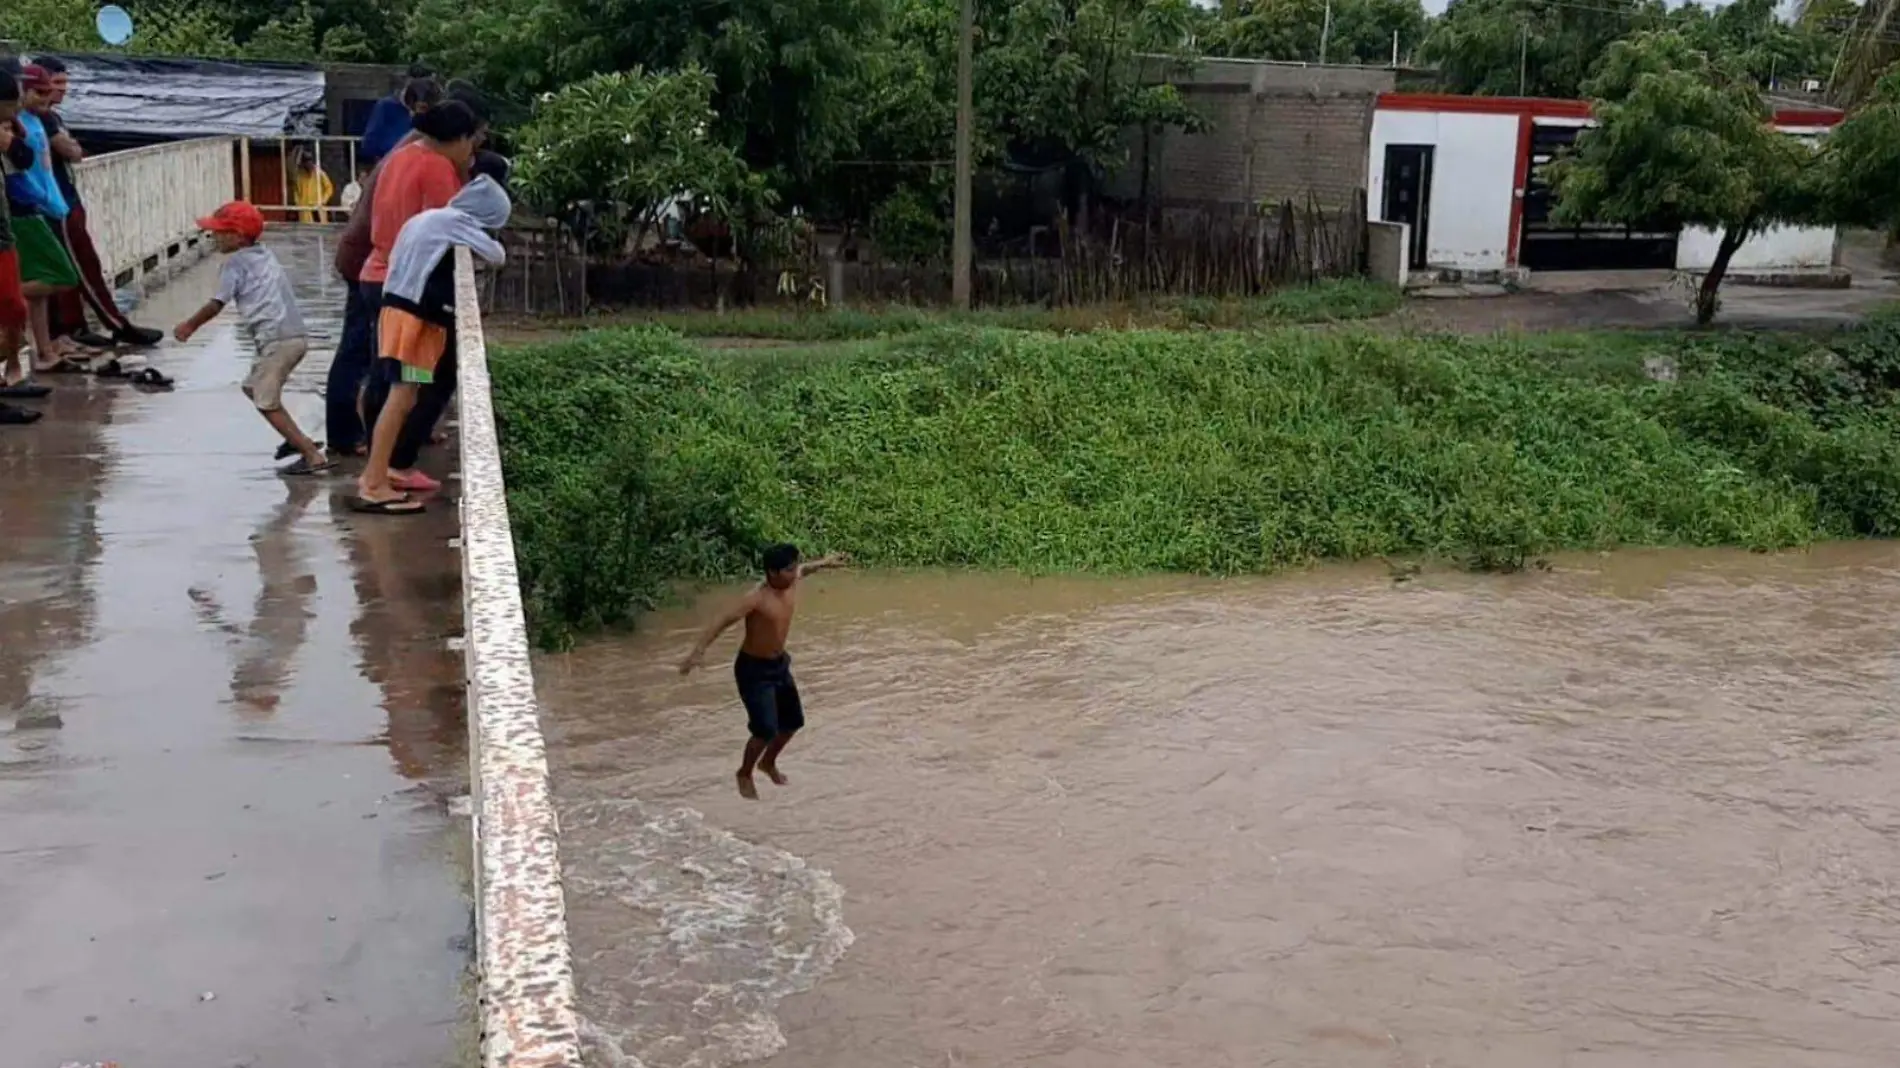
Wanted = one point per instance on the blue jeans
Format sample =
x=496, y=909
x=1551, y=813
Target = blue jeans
x=349, y=368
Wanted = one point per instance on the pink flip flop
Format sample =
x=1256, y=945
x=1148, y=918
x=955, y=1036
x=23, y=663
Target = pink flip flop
x=415, y=482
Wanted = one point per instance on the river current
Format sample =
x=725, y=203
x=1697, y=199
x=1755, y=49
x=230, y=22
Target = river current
x=1640, y=810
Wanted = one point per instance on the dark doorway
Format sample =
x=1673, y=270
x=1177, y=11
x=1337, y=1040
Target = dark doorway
x=1546, y=245
x=1408, y=193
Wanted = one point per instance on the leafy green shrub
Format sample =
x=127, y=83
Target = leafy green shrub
x=635, y=461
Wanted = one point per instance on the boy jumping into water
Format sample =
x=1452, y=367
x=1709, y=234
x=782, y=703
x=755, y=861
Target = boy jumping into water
x=763, y=669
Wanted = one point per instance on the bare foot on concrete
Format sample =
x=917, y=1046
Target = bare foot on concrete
x=772, y=773
x=747, y=788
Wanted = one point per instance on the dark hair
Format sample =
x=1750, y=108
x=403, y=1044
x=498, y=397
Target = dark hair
x=421, y=92
x=452, y=121
x=493, y=164
x=421, y=70
x=51, y=64
x=476, y=100
x=781, y=558
x=9, y=88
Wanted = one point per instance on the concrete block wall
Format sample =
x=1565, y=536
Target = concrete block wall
x=1276, y=131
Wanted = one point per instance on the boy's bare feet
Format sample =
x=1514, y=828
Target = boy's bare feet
x=747, y=788
x=772, y=773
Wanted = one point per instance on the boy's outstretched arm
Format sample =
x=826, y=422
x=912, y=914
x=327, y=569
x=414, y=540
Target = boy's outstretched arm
x=824, y=563
x=184, y=330
x=737, y=612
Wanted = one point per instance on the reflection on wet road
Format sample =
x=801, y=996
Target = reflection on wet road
x=235, y=728
x=1636, y=813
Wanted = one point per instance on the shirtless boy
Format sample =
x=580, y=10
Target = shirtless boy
x=763, y=668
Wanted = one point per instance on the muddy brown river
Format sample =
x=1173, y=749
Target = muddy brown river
x=1639, y=811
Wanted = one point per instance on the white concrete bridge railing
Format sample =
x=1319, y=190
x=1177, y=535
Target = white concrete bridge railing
x=143, y=205
x=527, y=976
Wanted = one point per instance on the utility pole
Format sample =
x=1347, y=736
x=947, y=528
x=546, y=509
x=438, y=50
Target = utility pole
x=966, y=120
x=1325, y=32
x=1395, y=50
x=1524, y=61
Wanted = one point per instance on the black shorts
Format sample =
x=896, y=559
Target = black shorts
x=772, y=707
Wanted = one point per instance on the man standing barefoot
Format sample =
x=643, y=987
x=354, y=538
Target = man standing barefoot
x=763, y=669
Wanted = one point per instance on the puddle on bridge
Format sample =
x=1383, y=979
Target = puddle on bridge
x=1639, y=811
x=260, y=728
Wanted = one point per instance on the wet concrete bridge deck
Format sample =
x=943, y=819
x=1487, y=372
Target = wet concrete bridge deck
x=230, y=733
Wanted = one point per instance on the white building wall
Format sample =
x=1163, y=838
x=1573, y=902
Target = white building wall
x=1474, y=174
x=1779, y=248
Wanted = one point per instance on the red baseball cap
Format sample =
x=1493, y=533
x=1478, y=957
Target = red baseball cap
x=239, y=217
x=34, y=76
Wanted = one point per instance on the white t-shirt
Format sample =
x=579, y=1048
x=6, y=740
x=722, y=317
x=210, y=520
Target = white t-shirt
x=253, y=280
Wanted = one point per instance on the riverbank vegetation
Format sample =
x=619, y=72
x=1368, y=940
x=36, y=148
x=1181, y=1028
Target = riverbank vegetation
x=1325, y=301
x=636, y=461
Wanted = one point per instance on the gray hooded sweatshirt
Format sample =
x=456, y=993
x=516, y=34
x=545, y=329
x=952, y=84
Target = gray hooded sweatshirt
x=421, y=271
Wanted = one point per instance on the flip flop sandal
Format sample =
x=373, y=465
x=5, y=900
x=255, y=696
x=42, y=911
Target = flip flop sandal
x=11, y=416
x=27, y=390
x=287, y=450
x=149, y=379
x=399, y=506
x=110, y=369
x=305, y=467
x=64, y=366
x=415, y=483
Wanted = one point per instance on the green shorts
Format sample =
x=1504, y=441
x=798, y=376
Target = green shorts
x=42, y=258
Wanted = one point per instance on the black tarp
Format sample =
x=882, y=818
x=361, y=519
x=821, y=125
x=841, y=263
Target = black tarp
x=156, y=99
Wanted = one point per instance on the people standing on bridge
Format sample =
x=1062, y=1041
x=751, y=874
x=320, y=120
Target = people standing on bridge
x=419, y=176
x=345, y=390
x=37, y=207
x=311, y=189
x=252, y=279
x=13, y=311
x=394, y=116
x=432, y=400
x=763, y=669
x=94, y=291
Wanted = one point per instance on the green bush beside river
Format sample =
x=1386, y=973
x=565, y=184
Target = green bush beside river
x=635, y=460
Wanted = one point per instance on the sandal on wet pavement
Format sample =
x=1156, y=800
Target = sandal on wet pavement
x=399, y=506
x=305, y=467
x=415, y=482
x=12, y=416
x=286, y=450
x=149, y=378
x=63, y=366
x=28, y=390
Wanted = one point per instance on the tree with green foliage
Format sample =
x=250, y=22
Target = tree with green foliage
x=1684, y=139
x=1057, y=85
x=1754, y=37
x=1862, y=158
x=1363, y=31
x=51, y=25
x=782, y=70
x=631, y=143
x=1529, y=47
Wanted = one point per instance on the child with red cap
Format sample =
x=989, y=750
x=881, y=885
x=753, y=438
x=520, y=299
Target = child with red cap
x=267, y=309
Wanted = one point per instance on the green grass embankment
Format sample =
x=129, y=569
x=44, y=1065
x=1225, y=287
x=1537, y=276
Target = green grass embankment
x=1331, y=300
x=635, y=461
